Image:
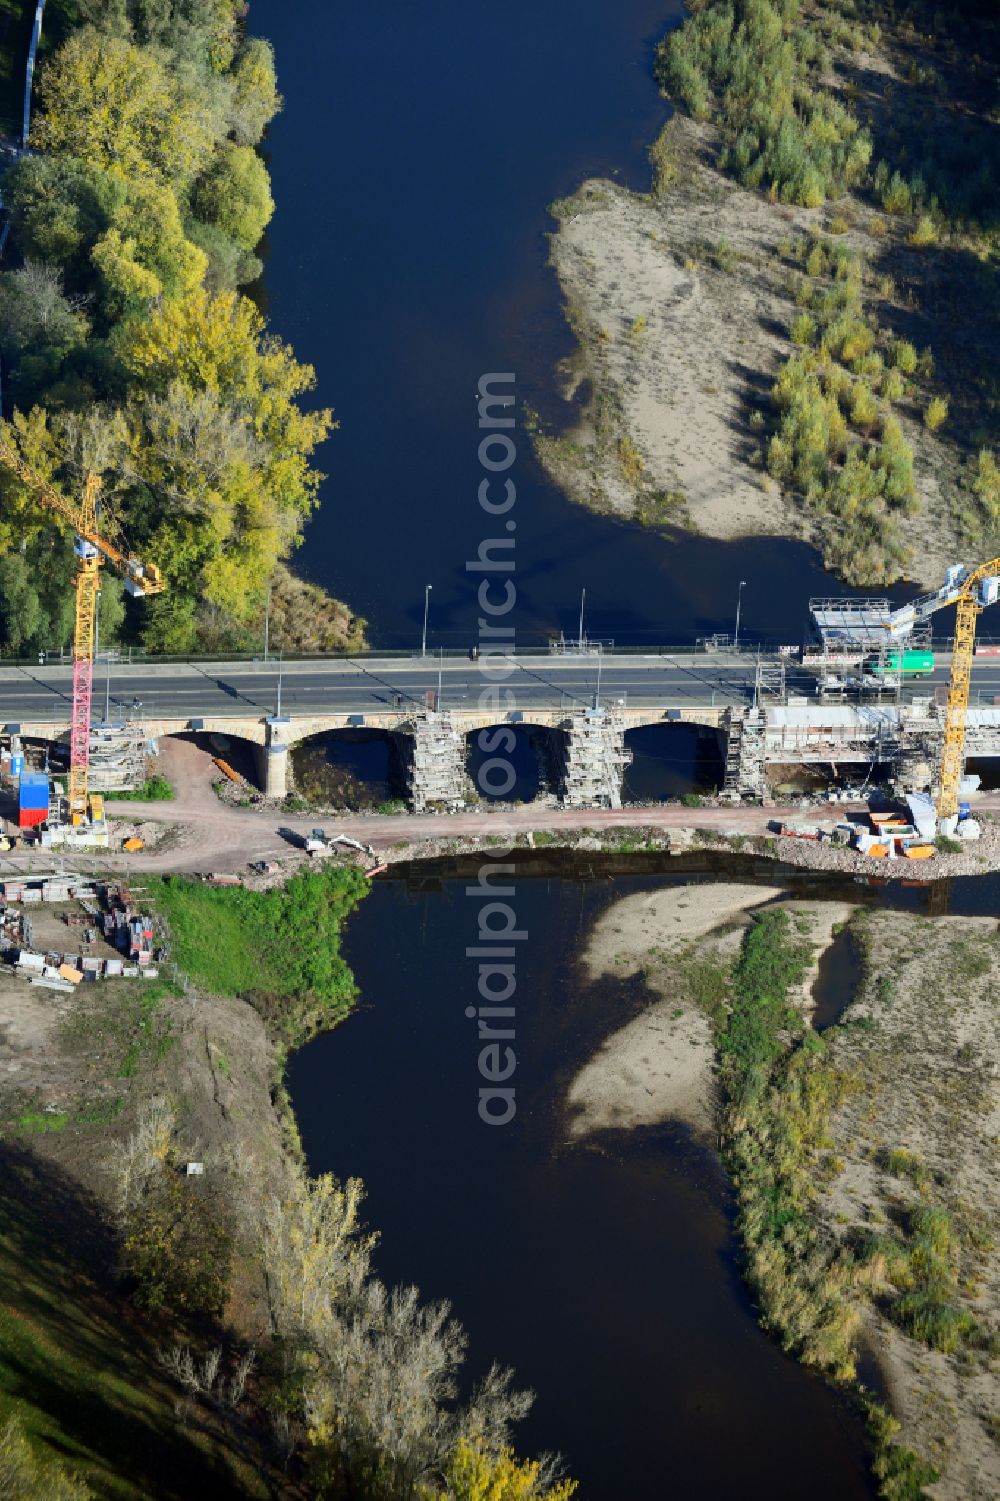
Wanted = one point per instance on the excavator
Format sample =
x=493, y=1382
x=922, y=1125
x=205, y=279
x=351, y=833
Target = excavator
x=92, y=549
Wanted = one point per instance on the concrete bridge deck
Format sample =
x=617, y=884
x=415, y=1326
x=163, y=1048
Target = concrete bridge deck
x=276, y=706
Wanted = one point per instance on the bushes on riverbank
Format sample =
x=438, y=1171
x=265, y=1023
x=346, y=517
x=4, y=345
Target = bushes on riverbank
x=838, y=442
x=758, y=65
x=126, y=344
x=779, y=1090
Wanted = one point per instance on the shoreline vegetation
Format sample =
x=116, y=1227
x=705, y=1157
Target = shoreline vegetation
x=863, y=1157
x=794, y=331
x=129, y=348
x=263, y=1347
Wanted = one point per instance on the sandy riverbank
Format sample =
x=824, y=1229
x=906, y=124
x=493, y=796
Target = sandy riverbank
x=681, y=300
x=659, y=1065
x=918, y=1131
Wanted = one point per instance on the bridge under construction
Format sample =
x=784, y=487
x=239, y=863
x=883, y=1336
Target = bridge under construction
x=763, y=708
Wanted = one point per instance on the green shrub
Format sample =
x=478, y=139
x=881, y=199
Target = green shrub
x=925, y=232
x=904, y=356
x=896, y=196
x=986, y=485
x=781, y=133
x=936, y=413
x=803, y=330
x=864, y=408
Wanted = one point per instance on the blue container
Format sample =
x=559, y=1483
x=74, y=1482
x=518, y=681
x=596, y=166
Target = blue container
x=33, y=791
x=964, y=809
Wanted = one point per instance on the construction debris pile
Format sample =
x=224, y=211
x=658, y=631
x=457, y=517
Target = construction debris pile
x=107, y=910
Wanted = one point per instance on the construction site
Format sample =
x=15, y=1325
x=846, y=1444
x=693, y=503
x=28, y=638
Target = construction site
x=58, y=931
x=849, y=704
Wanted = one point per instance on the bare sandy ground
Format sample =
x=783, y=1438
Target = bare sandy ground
x=657, y=1067
x=926, y=1065
x=681, y=300
x=669, y=343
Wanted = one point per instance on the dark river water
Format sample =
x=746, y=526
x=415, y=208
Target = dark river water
x=412, y=167
x=607, y=1275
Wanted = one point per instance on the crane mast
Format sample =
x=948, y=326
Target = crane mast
x=980, y=588
x=871, y=622
x=88, y=589
x=91, y=549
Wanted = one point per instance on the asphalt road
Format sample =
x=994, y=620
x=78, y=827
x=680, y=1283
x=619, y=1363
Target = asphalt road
x=371, y=685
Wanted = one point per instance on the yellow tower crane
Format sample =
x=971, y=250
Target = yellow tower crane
x=91, y=549
x=972, y=590
x=979, y=589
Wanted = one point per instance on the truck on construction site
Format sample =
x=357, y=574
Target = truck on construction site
x=916, y=663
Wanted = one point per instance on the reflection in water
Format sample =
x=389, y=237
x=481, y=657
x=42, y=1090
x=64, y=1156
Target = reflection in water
x=670, y=760
x=838, y=977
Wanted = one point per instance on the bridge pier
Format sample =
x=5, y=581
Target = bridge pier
x=272, y=769
x=745, y=752
x=594, y=760
x=434, y=753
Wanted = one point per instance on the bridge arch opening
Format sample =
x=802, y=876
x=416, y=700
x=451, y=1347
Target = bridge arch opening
x=238, y=753
x=355, y=769
x=987, y=768
x=672, y=759
x=194, y=757
x=512, y=763
x=849, y=774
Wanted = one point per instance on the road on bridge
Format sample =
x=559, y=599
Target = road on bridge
x=371, y=684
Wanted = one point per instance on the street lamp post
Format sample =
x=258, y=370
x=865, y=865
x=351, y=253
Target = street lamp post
x=583, y=601
x=277, y=712
x=427, y=602
x=739, y=601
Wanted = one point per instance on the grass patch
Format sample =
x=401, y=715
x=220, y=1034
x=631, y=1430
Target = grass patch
x=153, y=790
x=76, y=1369
x=37, y=1122
x=119, y=1027
x=279, y=948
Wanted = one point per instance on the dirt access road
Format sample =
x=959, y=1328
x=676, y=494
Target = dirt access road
x=212, y=835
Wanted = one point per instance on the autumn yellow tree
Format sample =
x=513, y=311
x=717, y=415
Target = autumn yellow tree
x=473, y=1475
x=116, y=106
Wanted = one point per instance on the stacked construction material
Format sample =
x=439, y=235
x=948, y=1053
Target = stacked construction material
x=32, y=800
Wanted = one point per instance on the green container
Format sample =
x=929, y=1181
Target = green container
x=916, y=664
